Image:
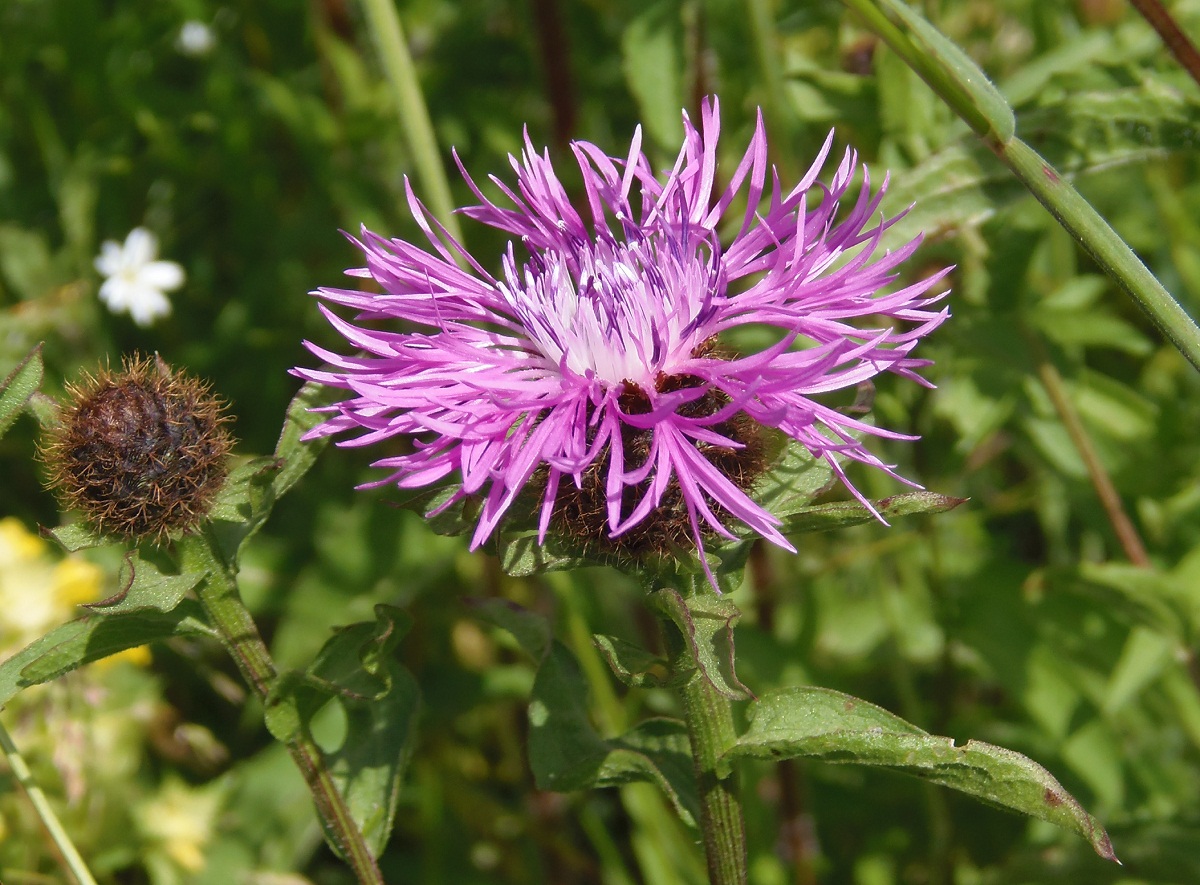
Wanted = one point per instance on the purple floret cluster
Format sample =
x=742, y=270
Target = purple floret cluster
x=591, y=358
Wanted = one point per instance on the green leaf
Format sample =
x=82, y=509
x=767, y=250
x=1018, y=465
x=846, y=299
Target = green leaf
x=531, y=630
x=75, y=537
x=1136, y=595
x=632, y=664
x=357, y=669
x=793, y=482
x=93, y=637
x=827, y=517
x=706, y=623
x=21, y=383
x=566, y=753
x=253, y=488
x=143, y=587
x=829, y=725
x=521, y=555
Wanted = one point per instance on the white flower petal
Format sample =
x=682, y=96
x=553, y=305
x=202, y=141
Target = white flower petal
x=141, y=247
x=148, y=305
x=164, y=275
x=108, y=262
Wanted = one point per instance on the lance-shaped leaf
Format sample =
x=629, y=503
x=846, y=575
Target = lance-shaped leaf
x=21, y=383
x=829, y=725
x=93, y=637
x=843, y=514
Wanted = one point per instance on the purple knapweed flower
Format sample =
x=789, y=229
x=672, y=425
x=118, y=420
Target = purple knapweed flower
x=588, y=372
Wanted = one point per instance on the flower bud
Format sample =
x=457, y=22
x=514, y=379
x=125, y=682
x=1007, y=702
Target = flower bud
x=142, y=452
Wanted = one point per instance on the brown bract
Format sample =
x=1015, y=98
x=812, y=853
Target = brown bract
x=141, y=452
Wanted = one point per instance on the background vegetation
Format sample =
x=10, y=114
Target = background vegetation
x=1018, y=619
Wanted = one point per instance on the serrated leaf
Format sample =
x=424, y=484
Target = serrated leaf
x=632, y=664
x=566, y=754
x=93, y=637
x=531, y=630
x=16, y=389
x=705, y=623
x=842, y=514
x=826, y=724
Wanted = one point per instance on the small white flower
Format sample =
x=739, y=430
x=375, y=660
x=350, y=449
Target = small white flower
x=195, y=39
x=135, y=282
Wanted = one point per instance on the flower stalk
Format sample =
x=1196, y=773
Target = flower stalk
x=709, y=718
x=219, y=595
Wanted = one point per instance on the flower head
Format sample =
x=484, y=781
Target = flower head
x=142, y=452
x=590, y=369
x=134, y=281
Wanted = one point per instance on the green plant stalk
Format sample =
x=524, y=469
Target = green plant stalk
x=219, y=595
x=1101, y=242
x=384, y=24
x=41, y=806
x=965, y=88
x=709, y=717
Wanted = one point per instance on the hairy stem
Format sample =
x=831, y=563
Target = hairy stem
x=218, y=593
x=710, y=727
x=41, y=806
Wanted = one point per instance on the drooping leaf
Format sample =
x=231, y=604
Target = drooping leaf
x=16, y=389
x=531, y=630
x=826, y=724
x=566, y=753
x=93, y=637
x=358, y=670
x=632, y=664
x=705, y=623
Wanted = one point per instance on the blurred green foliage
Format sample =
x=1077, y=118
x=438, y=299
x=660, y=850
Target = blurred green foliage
x=1016, y=619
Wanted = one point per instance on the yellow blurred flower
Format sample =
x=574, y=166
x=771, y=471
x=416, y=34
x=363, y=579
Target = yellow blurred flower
x=179, y=822
x=37, y=593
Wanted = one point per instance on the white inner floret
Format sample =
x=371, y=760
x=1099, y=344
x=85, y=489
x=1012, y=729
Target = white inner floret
x=614, y=311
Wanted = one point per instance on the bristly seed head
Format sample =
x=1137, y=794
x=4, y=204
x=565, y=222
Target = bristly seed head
x=141, y=452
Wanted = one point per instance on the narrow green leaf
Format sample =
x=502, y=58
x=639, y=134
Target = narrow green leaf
x=826, y=517
x=74, y=537
x=93, y=637
x=829, y=725
x=21, y=383
x=706, y=623
x=296, y=454
x=652, y=59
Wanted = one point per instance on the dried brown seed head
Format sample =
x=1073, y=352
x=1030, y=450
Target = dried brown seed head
x=142, y=452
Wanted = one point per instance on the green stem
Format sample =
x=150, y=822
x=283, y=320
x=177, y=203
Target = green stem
x=218, y=593
x=710, y=727
x=41, y=805
x=385, y=26
x=966, y=89
x=1100, y=241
